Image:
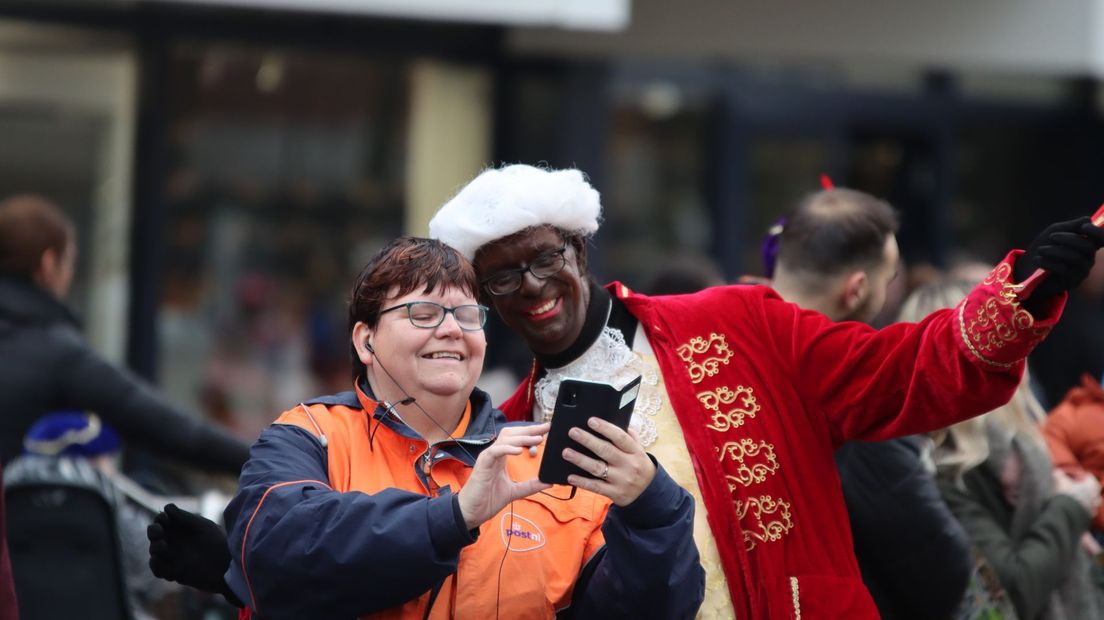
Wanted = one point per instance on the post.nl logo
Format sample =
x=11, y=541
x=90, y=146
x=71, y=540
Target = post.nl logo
x=519, y=533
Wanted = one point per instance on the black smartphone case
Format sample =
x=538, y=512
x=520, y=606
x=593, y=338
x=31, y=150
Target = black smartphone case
x=577, y=401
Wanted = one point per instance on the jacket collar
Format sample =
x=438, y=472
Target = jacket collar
x=22, y=302
x=482, y=427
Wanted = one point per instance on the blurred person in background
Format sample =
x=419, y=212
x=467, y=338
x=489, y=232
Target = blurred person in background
x=1074, y=432
x=1077, y=345
x=746, y=396
x=684, y=274
x=77, y=448
x=1028, y=519
x=410, y=498
x=46, y=365
x=838, y=254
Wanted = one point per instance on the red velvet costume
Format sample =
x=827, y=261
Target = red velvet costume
x=765, y=392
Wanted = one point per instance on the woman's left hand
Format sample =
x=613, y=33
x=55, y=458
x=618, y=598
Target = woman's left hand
x=622, y=470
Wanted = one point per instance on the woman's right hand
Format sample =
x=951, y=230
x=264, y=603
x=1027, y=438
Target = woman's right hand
x=1084, y=490
x=489, y=488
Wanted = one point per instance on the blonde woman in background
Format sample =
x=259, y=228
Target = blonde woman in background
x=1027, y=519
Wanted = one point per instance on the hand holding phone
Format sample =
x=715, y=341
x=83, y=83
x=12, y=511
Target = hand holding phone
x=577, y=401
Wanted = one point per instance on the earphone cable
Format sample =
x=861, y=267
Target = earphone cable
x=415, y=402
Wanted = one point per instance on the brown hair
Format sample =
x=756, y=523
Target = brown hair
x=29, y=226
x=836, y=229
x=400, y=268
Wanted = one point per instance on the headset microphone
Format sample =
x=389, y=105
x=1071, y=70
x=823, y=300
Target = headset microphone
x=409, y=400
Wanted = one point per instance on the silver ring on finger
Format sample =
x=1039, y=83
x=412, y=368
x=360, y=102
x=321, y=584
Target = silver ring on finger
x=605, y=473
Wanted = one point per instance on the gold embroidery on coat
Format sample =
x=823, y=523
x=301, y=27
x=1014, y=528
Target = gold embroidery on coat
x=745, y=452
x=985, y=329
x=713, y=400
x=763, y=519
x=709, y=365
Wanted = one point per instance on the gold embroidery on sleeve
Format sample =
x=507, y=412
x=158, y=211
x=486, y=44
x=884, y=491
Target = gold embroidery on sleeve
x=709, y=365
x=733, y=418
x=745, y=452
x=753, y=514
x=984, y=329
x=969, y=345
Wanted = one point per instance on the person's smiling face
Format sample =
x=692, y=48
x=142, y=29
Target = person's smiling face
x=443, y=360
x=548, y=313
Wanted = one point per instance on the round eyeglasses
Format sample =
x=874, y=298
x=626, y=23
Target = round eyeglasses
x=543, y=266
x=428, y=315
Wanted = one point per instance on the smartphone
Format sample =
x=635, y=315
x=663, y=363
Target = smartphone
x=577, y=401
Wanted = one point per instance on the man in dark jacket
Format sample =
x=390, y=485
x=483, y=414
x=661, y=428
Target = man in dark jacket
x=837, y=255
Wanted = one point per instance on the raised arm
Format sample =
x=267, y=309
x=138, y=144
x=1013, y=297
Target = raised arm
x=140, y=413
x=953, y=365
x=909, y=378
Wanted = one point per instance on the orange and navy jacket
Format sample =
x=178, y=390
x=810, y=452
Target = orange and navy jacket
x=344, y=512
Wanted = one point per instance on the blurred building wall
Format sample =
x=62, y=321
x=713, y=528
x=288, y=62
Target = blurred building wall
x=451, y=115
x=1021, y=35
x=67, y=106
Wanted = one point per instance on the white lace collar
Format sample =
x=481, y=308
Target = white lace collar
x=608, y=360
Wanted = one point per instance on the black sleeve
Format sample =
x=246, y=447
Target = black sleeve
x=140, y=414
x=913, y=553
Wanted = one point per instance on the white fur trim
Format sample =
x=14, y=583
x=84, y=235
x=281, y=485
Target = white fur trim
x=502, y=201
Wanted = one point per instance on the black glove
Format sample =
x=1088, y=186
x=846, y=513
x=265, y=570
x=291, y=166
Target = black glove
x=1066, y=250
x=190, y=550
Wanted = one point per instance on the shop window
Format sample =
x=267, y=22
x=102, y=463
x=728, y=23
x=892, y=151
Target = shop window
x=52, y=153
x=782, y=170
x=286, y=175
x=656, y=207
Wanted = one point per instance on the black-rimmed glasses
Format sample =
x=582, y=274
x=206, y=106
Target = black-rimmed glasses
x=428, y=315
x=543, y=266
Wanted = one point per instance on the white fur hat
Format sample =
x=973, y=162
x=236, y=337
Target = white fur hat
x=502, y=201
